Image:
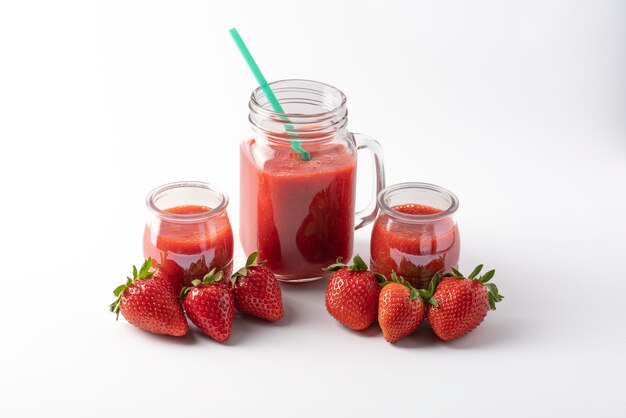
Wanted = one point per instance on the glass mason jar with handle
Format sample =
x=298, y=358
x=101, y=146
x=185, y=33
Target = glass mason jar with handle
x=298, y=213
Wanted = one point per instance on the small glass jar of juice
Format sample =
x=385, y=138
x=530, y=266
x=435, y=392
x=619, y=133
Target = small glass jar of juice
x=415, y=234
x=298, y=208
x=187, y=232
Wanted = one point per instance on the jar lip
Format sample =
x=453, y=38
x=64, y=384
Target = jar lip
x=258, y=107
x=451, y=209
x=186, y=217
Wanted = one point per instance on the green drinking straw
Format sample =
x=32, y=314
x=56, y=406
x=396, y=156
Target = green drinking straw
x=296, y=145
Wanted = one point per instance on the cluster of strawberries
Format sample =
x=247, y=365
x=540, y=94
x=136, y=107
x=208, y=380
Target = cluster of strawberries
x=355, y=296
x=453, y=304
x=153, y=302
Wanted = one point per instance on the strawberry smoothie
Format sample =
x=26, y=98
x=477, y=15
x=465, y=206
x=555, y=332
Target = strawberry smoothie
x=189, y=240
x=298, y=214
x=298, y=179
x=415, y=240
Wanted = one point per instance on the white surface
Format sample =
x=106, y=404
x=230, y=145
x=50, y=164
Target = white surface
x=518, y=107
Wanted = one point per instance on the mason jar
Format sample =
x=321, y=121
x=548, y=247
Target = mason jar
x=298, y=180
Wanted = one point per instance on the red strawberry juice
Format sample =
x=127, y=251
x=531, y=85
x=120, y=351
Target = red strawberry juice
x=414, y=250
x=298, y=214
x=187, y=248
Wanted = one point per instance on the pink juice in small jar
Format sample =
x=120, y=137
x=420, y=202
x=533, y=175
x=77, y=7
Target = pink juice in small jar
x=415, y=234
x=188, y=232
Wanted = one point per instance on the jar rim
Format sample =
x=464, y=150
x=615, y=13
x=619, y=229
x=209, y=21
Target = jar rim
x=258, y=92
x=417, y=218
x=186, y=217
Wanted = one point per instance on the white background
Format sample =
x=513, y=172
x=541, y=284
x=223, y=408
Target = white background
x=518, y=107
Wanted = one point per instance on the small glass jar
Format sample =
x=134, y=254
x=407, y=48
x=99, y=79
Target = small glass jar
x=415, y=234
x=299, y=213
x=187, y=232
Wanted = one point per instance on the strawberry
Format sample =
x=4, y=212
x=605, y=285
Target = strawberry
x=400, y=308
x=150, y=303
x=461, y=303
x=257, y=291
x=209, y=304
x=352, y=293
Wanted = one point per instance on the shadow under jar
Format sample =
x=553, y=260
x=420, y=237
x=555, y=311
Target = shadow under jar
x=299, y=214
x=415, y=234
x=187, y=232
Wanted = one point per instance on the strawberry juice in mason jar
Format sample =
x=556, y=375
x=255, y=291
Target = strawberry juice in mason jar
x=299, y=211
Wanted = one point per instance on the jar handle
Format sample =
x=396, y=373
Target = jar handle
x=368, y=214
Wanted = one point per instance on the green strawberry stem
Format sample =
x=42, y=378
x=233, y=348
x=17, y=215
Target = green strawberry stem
x=211, y=277
x=494, y=294
x=251, y=262
x=143, y=273
x=427, y=294
x=357, y=265
x=475, y=272
x=455, y=273
x=380, y=278
x=414, y=293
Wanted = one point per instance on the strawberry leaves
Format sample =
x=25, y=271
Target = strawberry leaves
x=487, y=276
x=494, y=294
x=380, y=278
x=413, y=292
x=251, y=262
x=455, y=272
x=427, y=294
x=357, y=265
x=143, y=273
x=211, y=277
x=475, y=272
x=336, y=266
